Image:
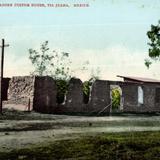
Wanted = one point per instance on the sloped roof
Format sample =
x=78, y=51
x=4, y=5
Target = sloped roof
x=140, y=79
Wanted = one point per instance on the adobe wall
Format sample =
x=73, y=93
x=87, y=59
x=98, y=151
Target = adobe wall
x=74, y=97
x=45, y=93
x=100, y=96
x=32, y=93
x=21, y=91
x=130, y=94
x=150, y=104
x=130, y=97
x=40, y=94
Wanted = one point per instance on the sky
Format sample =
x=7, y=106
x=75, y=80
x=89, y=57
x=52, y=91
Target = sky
x=110, y=34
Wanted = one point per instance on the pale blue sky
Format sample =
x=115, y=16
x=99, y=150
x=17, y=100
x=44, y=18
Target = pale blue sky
x=111, y=34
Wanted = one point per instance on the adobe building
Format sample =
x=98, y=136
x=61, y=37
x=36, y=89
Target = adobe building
x=138, y=95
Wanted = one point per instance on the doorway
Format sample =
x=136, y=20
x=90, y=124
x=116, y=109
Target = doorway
x=116, y=98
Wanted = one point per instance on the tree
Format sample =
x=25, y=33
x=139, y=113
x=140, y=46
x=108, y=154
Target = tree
x=55, y=64
x=154, y=50
x=41, y=61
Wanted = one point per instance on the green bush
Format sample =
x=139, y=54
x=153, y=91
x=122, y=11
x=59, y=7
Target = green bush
x=116, y=97
x=86, y=91
x=62, y=88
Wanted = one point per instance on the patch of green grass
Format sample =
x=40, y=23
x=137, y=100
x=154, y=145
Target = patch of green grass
x=115, y=146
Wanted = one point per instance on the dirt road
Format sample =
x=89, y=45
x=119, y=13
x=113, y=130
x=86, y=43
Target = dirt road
x=39, y=128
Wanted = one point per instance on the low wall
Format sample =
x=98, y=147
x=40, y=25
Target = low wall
x=32, y=93
x=40, y=94
x=130, y=94
x=74, y=97
x=45, y=92
x=100, y=96
x=21, y=92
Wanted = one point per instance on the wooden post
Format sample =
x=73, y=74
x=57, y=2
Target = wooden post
x=2, y=66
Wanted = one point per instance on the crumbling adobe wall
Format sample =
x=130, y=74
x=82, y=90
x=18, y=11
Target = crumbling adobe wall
x=150, y=104
x=149, y=99
x=100, y=96
x=74, y=97
x=130, y=97
x=45, y=93
x=32, y=93
x=130, y=94
x=41, y=92
x=21, y=91
x=157, y=97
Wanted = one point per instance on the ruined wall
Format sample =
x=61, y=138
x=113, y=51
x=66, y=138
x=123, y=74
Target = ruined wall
x=130, y=97
x=21, y=91
x=157, y=103
x=40, y=94
x=150, y=104
x=130, y=94
x=32, y=93
x=100, y=96
x=74, y=97
x=45, y=92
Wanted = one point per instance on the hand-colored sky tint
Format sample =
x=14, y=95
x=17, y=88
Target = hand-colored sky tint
x=111, y=34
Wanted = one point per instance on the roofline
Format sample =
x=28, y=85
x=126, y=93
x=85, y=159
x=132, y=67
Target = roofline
x=139, y=80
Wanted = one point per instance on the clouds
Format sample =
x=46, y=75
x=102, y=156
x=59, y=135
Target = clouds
x=116, y=60
x=112, y=36
x=112, y=57
x=16, y=66
x=112, y=60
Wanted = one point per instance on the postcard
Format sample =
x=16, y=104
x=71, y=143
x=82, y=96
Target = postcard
x=79, y=79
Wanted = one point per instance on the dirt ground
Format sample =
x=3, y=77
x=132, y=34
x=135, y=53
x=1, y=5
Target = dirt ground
x=21, y=129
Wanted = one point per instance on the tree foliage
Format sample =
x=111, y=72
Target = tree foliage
x=55, y=64
x=62, y=87
x=154, y=50
x=116, y=97
x=86, y=91
x=58, y=65
x=41, y=61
